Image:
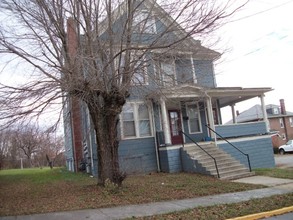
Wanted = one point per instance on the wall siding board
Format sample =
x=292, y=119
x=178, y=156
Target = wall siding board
x=259, y=150
x=204, y=72
x=170, y=160
x=138, y=155
x=243, y=129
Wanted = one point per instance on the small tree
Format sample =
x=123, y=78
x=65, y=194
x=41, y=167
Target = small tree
x=93, y=59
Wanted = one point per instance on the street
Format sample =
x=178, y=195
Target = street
x=284, y=161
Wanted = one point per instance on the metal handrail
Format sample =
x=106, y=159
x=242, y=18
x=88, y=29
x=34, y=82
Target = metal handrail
x=247, y=155
x=201, y=149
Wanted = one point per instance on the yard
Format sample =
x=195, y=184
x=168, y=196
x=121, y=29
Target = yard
x=43, y=190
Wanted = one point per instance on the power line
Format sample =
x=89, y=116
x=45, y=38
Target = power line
x=260, y=12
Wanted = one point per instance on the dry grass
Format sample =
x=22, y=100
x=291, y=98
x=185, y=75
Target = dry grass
x=40, y=191
x=225, y=211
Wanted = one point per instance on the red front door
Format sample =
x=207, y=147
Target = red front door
x=175, y=126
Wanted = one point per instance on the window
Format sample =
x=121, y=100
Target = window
x=275, y=111
x=167, y=70
x=281, y=122
x=143, y=22
x=193, y=114
x=291, y=121
x=139, y=74
x=135, y=120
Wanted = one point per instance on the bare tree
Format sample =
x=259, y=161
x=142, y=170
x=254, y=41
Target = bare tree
x=97, y=58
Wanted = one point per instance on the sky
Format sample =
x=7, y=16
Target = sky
x=258, y=45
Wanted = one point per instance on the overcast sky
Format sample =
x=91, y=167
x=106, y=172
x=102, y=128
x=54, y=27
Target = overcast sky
x=260, y=52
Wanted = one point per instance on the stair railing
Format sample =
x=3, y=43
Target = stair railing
x=247, y=156
x=216, y=165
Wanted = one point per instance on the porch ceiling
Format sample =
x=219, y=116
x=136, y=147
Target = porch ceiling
x=231, y=95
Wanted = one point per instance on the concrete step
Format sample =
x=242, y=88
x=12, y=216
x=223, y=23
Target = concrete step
x=228, y=167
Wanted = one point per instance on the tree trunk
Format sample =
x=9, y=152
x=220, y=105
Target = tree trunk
x=105, y=119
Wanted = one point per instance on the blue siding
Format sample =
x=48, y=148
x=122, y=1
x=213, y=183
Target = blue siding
x=242, y=129
x=204, y=73
x=260, y=151
x=170, y=160
x=138, y=155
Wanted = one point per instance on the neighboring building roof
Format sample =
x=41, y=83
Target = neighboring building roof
x=255, y=114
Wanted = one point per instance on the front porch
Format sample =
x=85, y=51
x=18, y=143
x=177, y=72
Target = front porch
x=190, y=109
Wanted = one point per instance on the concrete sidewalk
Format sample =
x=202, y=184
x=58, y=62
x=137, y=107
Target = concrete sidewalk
x=276, y=187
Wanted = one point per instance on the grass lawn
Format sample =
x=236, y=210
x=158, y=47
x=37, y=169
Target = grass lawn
x=276, y=172
x=43, y=190
x=221, y=212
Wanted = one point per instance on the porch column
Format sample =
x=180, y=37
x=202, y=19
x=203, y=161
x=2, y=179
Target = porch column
x=233, y=113
x=210, y=116
x=166, y=127
x=264, y=112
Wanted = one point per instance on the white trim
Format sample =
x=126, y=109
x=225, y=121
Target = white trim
x=199, y=117
x=136, y=105
x=163, y=74
x=193, y=70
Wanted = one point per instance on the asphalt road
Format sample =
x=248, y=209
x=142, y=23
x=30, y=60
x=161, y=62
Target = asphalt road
x=285, y=161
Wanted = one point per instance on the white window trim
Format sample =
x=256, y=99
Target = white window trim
x=174, y=71
x=193, y=70
x=145, y=71
x=199, y=118
x=136, y=121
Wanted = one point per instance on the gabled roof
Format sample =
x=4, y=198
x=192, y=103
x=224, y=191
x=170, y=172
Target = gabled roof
x=189, y=44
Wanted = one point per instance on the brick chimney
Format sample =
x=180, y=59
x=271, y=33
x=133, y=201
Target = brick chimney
x=282, y=106
x=76, y=118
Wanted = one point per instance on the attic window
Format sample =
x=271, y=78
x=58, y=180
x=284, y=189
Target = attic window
x=275, y=111
x=143, y=22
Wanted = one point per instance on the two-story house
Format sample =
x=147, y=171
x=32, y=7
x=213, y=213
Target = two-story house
x=280, y=121
x=163, y=123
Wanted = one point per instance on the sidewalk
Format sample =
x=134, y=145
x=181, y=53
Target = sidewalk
x=276, y=187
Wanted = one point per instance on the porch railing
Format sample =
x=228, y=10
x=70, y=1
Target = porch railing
x=247, y=156
x=216, y=165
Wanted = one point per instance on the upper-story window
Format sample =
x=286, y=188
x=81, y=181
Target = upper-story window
x=281, y=122
x=167, y=72
x=144, y=22
x=135, y=120
x=275, y=111
x=140, y=76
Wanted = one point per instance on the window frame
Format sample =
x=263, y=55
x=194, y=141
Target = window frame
x=137, y=121
x=199, y=118
x=163, y=74
x=144, y=72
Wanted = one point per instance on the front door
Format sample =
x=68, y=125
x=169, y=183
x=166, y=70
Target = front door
x=175, y=126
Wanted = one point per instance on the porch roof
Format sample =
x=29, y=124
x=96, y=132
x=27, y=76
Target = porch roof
x=225, y=95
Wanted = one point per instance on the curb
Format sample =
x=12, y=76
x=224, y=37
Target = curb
x=265, y=214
